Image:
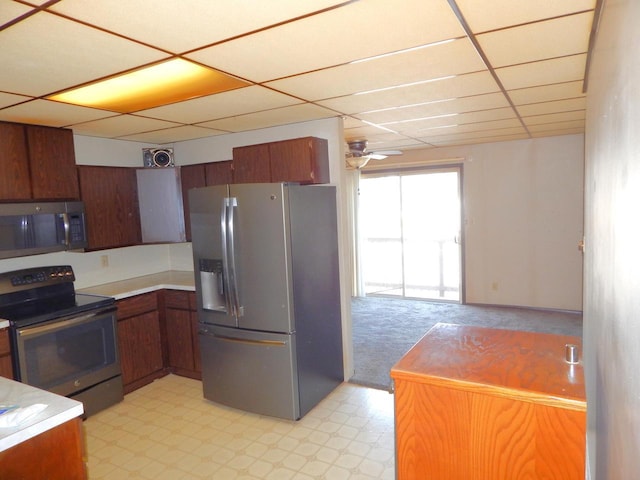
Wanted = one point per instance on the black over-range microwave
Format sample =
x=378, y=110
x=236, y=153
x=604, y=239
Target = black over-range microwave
x=41, y=227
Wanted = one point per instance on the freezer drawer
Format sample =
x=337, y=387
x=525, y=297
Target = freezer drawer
x=249, y=370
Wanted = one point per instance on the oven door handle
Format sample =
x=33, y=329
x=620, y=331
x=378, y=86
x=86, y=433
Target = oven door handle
x=61, y=322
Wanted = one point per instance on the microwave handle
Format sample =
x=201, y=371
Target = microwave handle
x=67, y=228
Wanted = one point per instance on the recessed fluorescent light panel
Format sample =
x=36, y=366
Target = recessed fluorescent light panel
x=161, y=84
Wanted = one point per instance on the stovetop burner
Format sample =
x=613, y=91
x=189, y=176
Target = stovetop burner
x=37, y=295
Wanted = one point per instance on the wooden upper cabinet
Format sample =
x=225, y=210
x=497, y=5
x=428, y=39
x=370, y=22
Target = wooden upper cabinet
x=15, y=183
x=219, y=173
x=37, y=163
x=303, y=160
x=111, y=206
x=52, y=162
x=251, y=164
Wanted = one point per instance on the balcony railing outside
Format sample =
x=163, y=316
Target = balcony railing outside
x=429, y=268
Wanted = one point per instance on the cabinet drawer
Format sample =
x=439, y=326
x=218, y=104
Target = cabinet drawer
x=176, y=299
x=137, y=305
x=5, y=348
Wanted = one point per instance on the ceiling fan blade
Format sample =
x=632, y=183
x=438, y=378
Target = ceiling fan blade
x=386, y=152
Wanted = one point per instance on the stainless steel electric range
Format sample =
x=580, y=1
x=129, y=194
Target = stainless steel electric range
x=62, y=341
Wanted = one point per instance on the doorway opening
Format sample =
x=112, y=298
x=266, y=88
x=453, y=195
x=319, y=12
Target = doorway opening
x=410, y=236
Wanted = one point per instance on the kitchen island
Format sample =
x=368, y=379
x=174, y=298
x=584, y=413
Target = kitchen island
x=481, y=403
x=47, y=445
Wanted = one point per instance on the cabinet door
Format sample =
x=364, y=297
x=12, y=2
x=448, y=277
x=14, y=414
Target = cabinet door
x=6, y=368
x=15, y=183
x=140, y=346
x=197, y=362
x=191, y=176
x=111, y=206
x=219, y=173
x=303, y=160
x=52, y=161
x=180, y=342
x=251, y=164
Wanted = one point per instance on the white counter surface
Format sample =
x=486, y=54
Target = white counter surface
x=59, y=410
x=4, y=324
x=174, y=280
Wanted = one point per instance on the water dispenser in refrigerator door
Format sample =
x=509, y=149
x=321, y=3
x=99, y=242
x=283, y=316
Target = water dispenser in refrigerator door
x=212, y=283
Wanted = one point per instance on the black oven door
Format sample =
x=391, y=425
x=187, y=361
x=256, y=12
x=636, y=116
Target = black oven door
x=70, y=354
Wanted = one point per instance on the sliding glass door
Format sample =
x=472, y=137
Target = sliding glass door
x=410, y=234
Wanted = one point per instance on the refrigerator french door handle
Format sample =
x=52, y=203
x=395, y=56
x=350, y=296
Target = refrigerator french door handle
x=232, y=204
x=246, y=341
x=224, y=222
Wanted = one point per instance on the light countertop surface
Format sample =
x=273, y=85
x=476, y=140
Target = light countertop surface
x=59, y=410
x=174, y=280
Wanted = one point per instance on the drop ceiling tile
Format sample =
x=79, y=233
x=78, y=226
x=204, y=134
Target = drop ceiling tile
x=354, y=31
x=413, y=128
x=454, y=136
x=473, y=127
x=553, y=107
x=545, y=72
x=12, y=10
x=222, y=105
x=120, y=126
x=553, y=133
x=546, y=93
x=473, y=141
x=435, y=61
x=182, y=25
x=366, y=131
x=8, y=99
x=439, y=107
x=55, y=59
x=172, y=135
x=443, y=89
x=546, y=127
x=483, y=16
x=538, y=41
x=52, y=114
x=555, y=117
x=269, y=118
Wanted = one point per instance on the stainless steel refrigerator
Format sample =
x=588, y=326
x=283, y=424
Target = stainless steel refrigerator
x=268, y=289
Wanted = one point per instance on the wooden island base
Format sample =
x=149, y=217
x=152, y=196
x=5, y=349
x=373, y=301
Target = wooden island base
x=57, y=454
x=475, y=403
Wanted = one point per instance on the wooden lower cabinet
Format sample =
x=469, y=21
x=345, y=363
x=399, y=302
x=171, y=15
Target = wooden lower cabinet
x=57, y=454
x=182, y=333
x=139, y=341
x=6, y=367
x=475, y=403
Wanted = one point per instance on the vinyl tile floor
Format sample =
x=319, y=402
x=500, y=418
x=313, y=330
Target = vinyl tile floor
x=167, y=430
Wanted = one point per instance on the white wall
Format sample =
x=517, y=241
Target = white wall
x=612, y=257
x=522, y=217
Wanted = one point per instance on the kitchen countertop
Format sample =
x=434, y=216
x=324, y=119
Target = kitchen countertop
x=172, y=279
x=59, y=410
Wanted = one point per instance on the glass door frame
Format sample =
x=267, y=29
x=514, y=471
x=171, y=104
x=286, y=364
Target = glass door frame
x=381, y=172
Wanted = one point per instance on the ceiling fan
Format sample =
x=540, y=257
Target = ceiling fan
x=357, y=156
